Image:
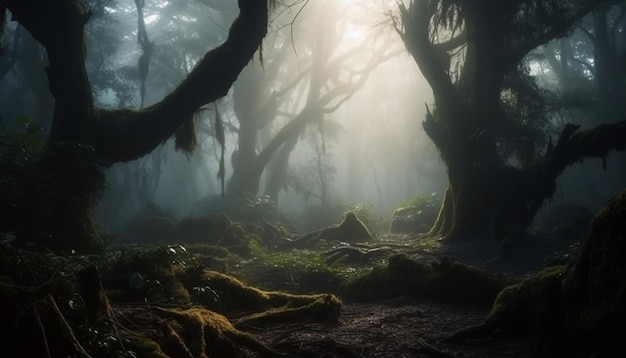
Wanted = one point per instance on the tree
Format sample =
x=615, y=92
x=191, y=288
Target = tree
x=587, y=72
x=303, y=97
x=472, y=55
x=84, y=139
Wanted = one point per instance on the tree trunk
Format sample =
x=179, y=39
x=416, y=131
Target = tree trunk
x=278, y=169
x=486, y=197
x=501, y=202
x=83, y=140
x=473, y=197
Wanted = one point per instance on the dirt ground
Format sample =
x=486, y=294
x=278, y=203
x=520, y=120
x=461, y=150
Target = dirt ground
x=405, y=327
x=401, y=327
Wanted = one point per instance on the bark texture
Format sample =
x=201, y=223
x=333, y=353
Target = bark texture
x=125, y=134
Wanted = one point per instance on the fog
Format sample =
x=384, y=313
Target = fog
x=341, y=62
x=371, y=144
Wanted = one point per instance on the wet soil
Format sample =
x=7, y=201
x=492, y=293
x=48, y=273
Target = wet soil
x=406, y=327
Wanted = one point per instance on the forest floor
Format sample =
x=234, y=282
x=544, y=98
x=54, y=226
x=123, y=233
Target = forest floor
x=406, y=327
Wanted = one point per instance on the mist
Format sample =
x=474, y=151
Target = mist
x=312, y=178
x=367, y=148
x=370, y=147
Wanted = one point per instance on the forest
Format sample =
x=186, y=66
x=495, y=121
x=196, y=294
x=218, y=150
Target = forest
x=312, y=178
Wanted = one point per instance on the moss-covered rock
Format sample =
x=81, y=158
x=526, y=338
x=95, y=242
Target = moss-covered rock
x=579, y=307
x=595, y=290
x=532, y=307
x=351, y=230
x=417, y=215
x=445, y=280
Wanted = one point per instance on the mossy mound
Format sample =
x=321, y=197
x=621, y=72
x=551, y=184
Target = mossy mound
x=533, y=305
x=578, y=307
x=596, y=289
x=445, y=281
x=416, y=216
x=351, y=230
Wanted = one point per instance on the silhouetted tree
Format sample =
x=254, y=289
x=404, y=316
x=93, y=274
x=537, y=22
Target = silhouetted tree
x=471, y=53
x=84, y=139
x=305, y=98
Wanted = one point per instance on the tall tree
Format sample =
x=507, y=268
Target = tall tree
x=303, y=97
x=84, y=139
x=471, y=53
x=588, y=73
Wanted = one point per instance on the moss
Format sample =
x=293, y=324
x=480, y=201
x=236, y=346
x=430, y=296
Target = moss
x=326, y=308
x=256, y=249
x=387, y=281
x=532, y=308
x=230, y=294
x=151, y=274
x=209, y=334
x=534, y=305
x=428, y=243
x=445, y=281
x=416, y=215
x=595, y=288
x=457, y=282
x=351, y=230
x=301, y=271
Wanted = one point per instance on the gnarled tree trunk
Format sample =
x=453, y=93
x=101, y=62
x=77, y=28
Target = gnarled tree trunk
x=487, y=197
x=85, y=140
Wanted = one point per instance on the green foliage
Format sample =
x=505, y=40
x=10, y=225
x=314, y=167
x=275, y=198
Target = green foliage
x=416, y=214
x=303, y=271
x=424, y=202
